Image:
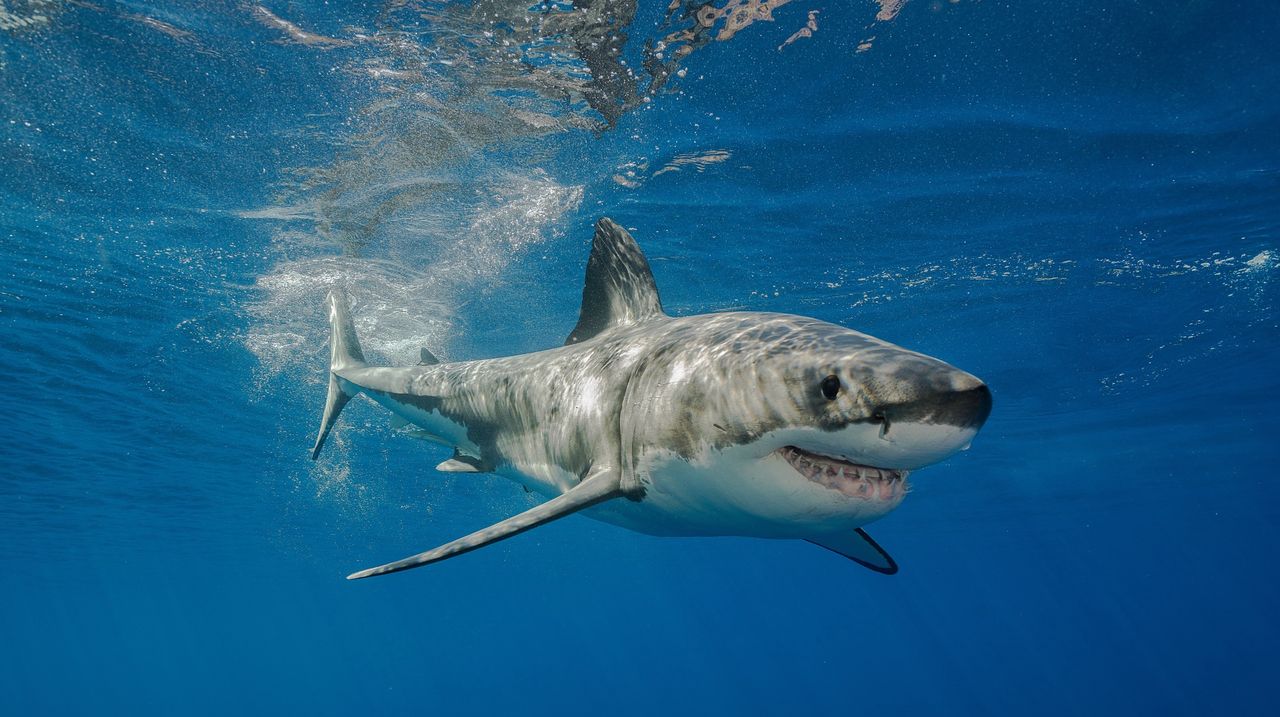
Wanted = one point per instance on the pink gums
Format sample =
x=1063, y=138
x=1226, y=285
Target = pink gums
x=865, y=482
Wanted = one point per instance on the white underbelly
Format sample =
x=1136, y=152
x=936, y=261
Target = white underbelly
x=734, y=493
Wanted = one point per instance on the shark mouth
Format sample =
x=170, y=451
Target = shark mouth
x=852, y=479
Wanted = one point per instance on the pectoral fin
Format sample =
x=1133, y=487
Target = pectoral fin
x=857, y=546
x=463, y=463
x=596, y=488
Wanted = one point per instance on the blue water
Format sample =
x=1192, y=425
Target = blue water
x=1078, y=202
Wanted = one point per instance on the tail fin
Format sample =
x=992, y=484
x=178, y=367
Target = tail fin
x=345, y=353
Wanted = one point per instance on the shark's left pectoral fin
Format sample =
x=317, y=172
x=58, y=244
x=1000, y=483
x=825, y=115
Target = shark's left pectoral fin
x=600, y=486
x=857, y=546
x=463, y=463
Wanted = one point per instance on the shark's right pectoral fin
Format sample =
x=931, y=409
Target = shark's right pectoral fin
x=857, y=546
x=598, y=487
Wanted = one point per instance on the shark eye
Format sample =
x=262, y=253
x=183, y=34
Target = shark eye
x=830, y=387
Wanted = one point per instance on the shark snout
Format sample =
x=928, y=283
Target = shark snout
x=932, y=421
x=966, y=407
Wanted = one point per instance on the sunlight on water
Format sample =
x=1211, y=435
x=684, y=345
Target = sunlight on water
x=25, y=14
x=398, y=310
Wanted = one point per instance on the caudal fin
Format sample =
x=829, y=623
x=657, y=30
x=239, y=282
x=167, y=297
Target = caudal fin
x=345, y=353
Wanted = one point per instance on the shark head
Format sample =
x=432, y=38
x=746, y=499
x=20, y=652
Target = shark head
x=821, y=389
x=790, y=423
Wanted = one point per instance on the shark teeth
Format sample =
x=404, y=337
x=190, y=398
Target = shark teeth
x=852, y=479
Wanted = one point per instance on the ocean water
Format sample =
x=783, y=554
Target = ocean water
x=1078, y=202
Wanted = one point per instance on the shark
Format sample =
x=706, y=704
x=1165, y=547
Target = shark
x=737, y=423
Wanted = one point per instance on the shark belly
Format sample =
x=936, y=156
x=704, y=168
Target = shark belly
x=715, y=495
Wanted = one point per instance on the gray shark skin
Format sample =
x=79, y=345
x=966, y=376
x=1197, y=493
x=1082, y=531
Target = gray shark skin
x=740, y=423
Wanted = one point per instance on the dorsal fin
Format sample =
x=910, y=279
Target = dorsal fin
x=619, y=288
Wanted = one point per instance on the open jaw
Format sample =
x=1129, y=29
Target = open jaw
x=852, y=479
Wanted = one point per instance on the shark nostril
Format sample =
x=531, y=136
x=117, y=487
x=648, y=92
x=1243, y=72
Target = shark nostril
x=878, y=418
x=883, y=420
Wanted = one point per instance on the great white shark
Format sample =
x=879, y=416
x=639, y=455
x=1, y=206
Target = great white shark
x=738, y=423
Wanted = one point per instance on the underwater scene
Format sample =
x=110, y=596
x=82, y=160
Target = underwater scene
x=679, y=357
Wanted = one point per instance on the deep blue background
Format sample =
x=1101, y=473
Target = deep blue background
x=1078, y=202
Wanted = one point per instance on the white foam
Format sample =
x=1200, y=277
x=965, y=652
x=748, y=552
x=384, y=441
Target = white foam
x=398, y=308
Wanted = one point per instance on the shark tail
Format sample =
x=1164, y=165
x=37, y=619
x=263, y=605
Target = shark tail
x=344, y=353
